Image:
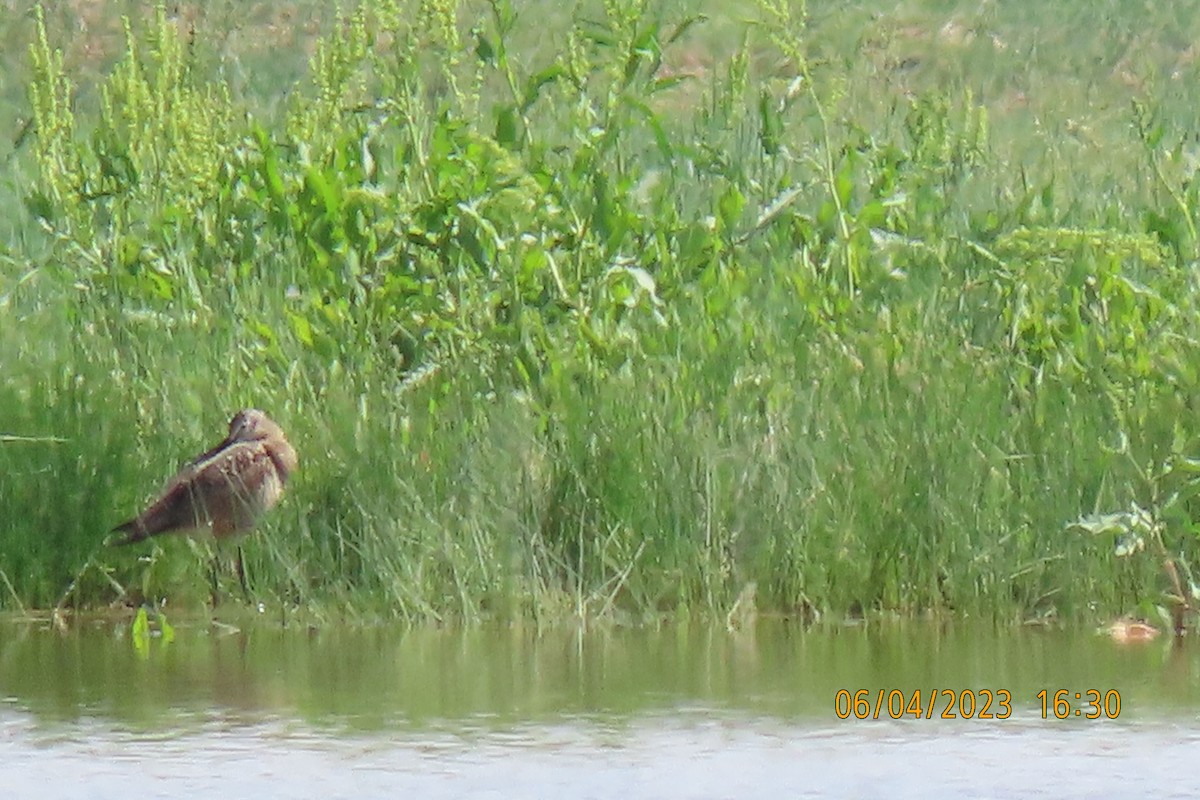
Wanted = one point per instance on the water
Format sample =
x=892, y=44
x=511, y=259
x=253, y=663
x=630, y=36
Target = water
x=680, y=712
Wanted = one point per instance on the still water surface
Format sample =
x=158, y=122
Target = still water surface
x=679, y=712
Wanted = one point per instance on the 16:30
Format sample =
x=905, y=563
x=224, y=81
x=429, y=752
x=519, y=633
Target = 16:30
x=1089, y=704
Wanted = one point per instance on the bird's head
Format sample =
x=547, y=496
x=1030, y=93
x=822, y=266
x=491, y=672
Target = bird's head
x=252, y=425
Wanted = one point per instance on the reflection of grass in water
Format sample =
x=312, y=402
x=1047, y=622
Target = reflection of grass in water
x=141, y=632
x=623, y=333
x=390, y=677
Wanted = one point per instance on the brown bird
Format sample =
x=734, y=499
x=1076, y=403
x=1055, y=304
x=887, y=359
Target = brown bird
x=225, y=490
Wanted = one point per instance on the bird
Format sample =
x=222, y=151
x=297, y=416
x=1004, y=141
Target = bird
x=223, y=491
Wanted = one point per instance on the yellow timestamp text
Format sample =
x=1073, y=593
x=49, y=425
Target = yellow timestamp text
x=1087, y=704
x=971, y=704
x=923, y=704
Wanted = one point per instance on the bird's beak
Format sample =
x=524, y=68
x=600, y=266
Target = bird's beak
x=228, y=440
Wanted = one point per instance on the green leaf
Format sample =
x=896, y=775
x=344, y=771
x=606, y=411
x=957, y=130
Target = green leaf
x=301, y=328
x=730, y=208
x=485, y=48
x=509, y=127
x=533, y=86
x=770, y=123
x=139, y=633
x=168, y=630
x=844, y=183
x=684, y=26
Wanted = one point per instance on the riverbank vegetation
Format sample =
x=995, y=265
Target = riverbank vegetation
x=625, y=311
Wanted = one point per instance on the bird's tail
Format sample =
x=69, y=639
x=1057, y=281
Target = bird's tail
x=134, y=530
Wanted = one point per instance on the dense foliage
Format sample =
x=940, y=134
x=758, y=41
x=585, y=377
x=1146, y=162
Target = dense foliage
x=603, y=320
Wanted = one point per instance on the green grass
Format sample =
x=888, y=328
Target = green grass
x=613, y=313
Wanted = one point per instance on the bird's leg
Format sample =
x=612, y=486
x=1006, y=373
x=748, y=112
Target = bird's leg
x=241, y=573
x=214, y=588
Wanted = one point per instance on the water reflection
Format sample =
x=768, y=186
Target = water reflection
x=686, y=711
x=381, y=677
